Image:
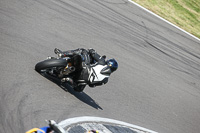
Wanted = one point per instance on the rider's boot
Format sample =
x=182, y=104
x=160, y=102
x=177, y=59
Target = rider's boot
x=59, y=52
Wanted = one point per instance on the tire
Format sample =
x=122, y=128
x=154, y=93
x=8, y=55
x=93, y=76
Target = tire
x=50, y=63
x=79, y=88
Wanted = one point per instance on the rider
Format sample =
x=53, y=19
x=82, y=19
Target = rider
x=93, y=69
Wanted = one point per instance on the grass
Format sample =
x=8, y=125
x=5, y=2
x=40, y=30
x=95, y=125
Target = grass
x=183, y=13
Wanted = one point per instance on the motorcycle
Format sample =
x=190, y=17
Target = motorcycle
x=64, y=68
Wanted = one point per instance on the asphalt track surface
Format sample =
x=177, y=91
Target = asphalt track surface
x=156, y=86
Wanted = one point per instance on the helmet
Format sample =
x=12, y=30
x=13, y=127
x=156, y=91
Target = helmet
x=112, y=63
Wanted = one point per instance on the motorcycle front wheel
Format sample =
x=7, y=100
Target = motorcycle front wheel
x=50, y=63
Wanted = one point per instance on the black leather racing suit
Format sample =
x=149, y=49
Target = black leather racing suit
x=89, y=58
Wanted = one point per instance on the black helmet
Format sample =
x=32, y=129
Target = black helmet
x=112, y=63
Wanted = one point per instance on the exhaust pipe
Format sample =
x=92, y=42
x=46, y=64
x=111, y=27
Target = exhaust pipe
x=72, y=69
x=69, y=70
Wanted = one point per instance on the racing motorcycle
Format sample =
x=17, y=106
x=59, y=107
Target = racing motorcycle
x=63, y=67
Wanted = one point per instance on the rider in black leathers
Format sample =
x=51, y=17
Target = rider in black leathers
x=91, y=68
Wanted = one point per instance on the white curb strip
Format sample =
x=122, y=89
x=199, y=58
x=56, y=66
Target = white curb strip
x=84, y=119
x=164, y=20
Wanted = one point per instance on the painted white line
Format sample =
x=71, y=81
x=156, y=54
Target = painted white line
x=164, y=19
x=99, y=127
x=84, y=119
